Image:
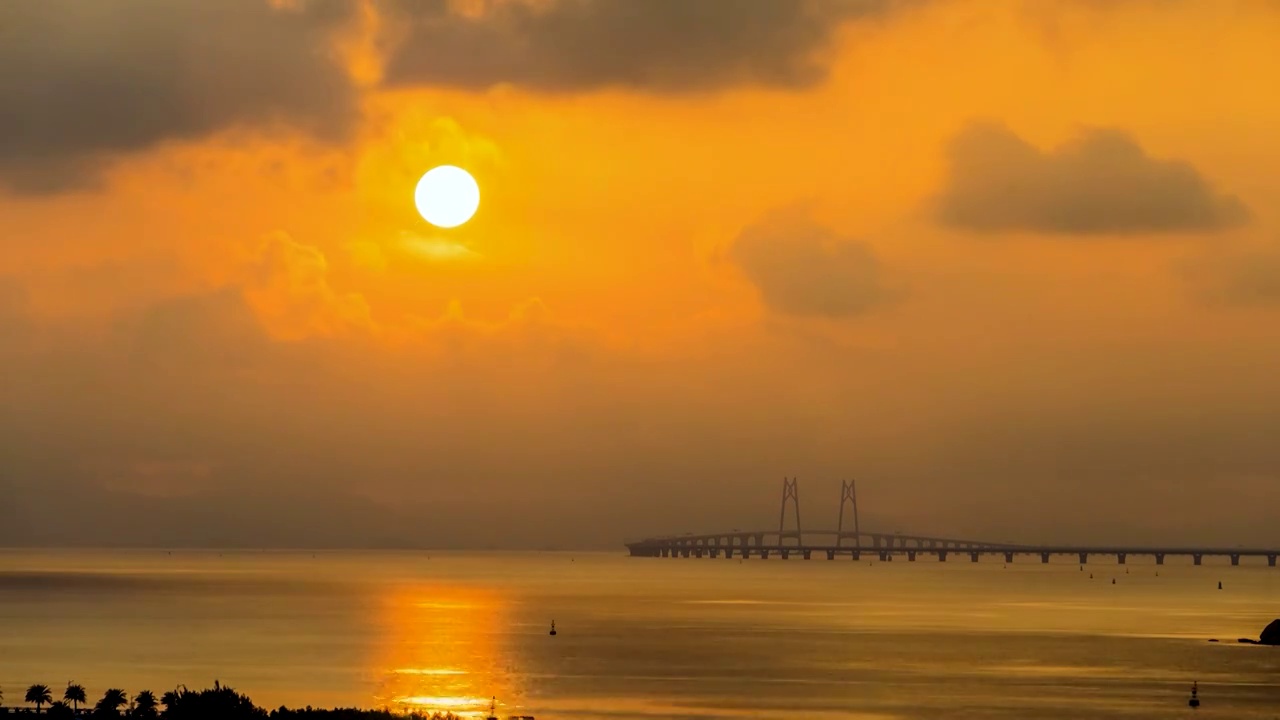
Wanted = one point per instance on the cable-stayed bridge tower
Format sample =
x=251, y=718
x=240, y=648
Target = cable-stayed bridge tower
x=790, y=491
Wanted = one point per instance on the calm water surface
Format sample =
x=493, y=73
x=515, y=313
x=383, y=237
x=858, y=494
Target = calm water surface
x=647, y=637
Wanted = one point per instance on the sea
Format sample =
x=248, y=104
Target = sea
x=640, y=638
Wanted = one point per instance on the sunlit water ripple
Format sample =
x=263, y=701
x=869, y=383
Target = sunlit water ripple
x=646, y=637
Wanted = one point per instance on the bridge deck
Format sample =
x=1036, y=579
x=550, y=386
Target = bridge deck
x=888, y=545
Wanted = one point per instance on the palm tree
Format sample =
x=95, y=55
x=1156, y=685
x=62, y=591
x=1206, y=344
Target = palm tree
x=74, y=694
x=170, y=701
x=144, y=705
x=111, y=702
x=39, y=695
x=60, y=711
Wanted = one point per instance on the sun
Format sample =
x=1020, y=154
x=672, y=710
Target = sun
x=447, y=196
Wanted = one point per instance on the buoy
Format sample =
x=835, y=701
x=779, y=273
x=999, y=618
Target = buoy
x=1113, y=581
x=1090, y=576
x=553, y=627
x=1194, y=701
x=1219, y=584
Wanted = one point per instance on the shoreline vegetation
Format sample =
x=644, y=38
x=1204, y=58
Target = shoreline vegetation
x=216, y=703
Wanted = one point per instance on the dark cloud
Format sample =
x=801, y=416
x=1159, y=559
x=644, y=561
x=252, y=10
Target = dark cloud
x=83, y=81
x=803, y=269
x=1254, y=279
x=661, y=45
x=1101, y=183
x=1239, y=277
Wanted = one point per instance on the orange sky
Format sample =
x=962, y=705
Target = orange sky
x=1011, y=264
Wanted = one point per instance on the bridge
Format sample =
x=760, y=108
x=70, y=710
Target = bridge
x=853, y=542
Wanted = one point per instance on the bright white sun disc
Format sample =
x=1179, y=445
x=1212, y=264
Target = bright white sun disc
x=447, y=196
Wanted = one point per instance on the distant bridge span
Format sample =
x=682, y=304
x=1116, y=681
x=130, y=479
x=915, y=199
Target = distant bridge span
x=853, y=542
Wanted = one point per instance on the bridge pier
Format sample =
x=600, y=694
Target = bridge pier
x=1159, y=558
x=857, y=555
x=831, y=554
x=1235, y=558
x=1196, y=558
x=715, y=552
x=1271, y=560
x=786, y=554
x=884, y=556
x=942, y=556
x=746, y=552
x=973, y=556
x=911, y=556
x=1120, y=558
x=1044, y=558
x=806, y=553
x=764, y=554
x=1008, y=557
x=1084, y=558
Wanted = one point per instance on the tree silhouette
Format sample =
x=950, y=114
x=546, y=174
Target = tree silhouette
x=39, y=695
x=74, y=694
x=109, y=705
x=144, y=704
x=170, y=701
x=220, y=702
x=217, y=703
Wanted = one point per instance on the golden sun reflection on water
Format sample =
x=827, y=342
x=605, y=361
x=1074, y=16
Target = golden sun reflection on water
x=441, y=703
x=443, y=650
